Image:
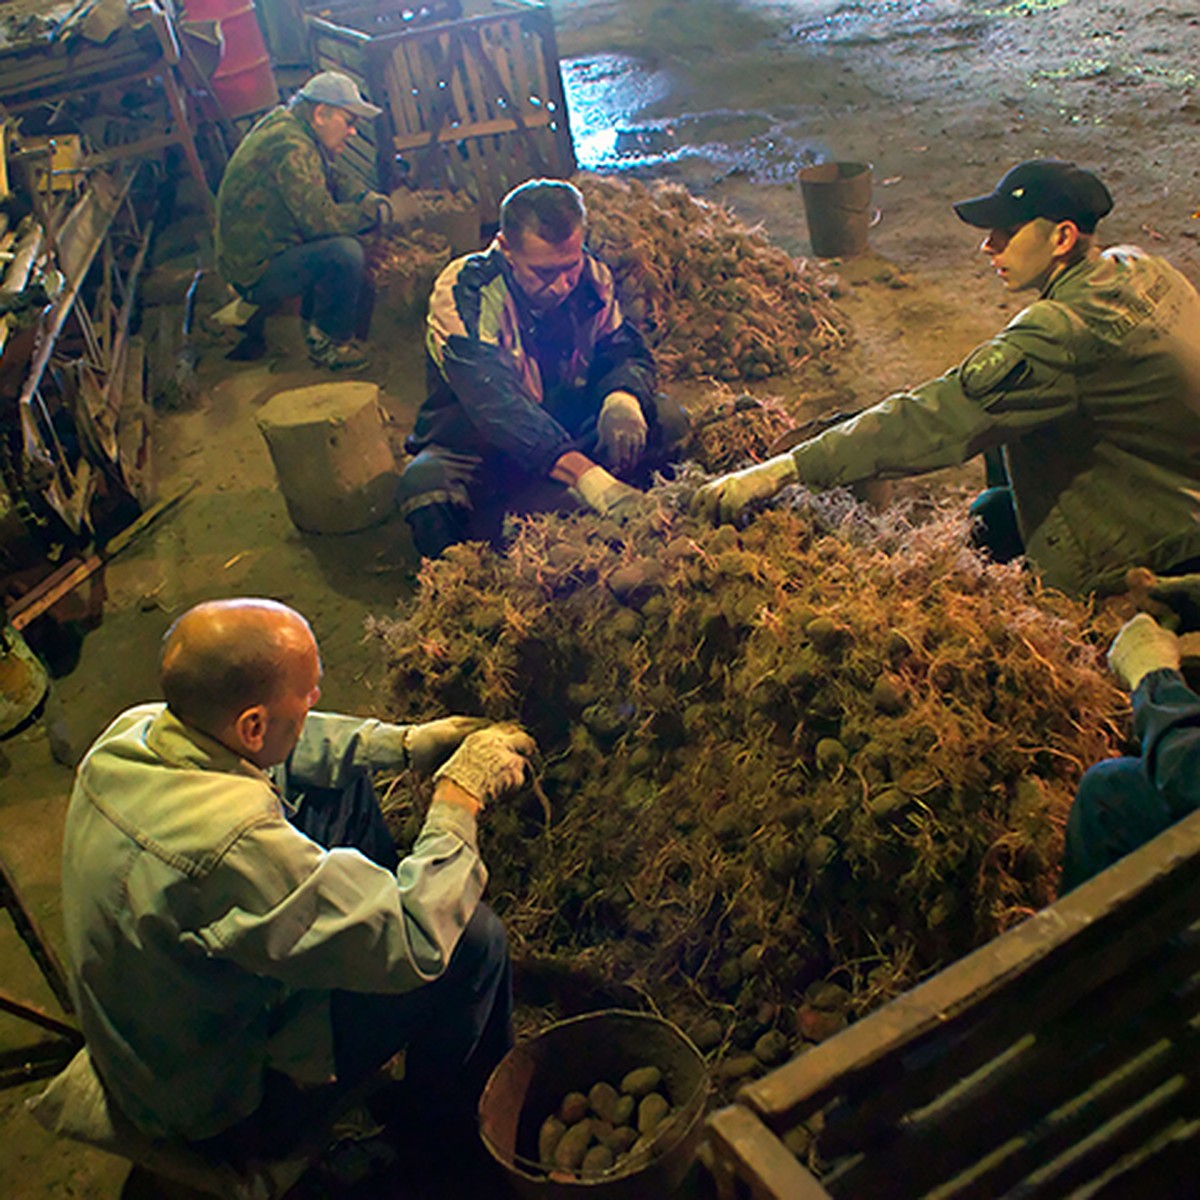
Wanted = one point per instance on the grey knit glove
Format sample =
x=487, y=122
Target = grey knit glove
x=489, y=762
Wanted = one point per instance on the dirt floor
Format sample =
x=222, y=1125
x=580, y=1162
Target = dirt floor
x=730, y=99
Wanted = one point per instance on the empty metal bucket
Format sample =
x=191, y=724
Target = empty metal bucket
x=837, y=202
x=531, y=1080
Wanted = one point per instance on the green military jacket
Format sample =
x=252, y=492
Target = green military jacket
x=280, y=189
x=1093, y=392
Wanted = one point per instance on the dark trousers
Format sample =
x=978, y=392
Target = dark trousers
x=449, y=497
x=1116, y=810
x=329, y=276
x=454, y=1030
x=995, y=529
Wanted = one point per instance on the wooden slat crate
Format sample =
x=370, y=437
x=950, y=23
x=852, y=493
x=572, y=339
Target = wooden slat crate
x=472, y=105
x=1061, y=1059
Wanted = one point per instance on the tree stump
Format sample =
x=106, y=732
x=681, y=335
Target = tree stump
x=331, y=454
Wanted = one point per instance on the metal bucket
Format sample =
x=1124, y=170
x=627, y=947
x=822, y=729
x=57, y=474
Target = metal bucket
x=837, y=202
x=23, y=680
x=531, y=1080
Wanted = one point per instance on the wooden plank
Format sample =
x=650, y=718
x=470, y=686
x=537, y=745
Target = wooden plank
x=1163, y=1168
x=1021, y=1128
x=1059, y=954
x=969, y=1088
x=564, y=145
x=499, y=126
x=748, y=1150
x=1088, y=1160
x=398, y=86
x=50, y=591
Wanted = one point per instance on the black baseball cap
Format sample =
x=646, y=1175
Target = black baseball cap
x=1040, y=187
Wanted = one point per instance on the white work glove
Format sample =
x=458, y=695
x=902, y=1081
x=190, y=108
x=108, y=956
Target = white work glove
x=1142, y=646
x=489, y=762
x=621, y=431
x=609, y=496
x=727, y=498
x=428, y=745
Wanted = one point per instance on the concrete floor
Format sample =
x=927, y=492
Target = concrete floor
x=940, y=95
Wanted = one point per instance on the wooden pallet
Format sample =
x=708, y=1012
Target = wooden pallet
x=1061, y=1059
x=473, y=105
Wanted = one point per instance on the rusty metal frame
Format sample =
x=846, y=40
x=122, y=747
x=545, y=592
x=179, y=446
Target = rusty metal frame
x=85, y=246
x=47, y=1056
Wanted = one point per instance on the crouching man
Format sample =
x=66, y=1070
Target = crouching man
x=289, y=220
x=227, y=966
x=536, y=383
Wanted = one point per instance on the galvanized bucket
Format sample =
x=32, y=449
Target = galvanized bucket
x=532, y=1079
x=837, y=202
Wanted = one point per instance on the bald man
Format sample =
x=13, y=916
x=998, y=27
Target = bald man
x=235, y=954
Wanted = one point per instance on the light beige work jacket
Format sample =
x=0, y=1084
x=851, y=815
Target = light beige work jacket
x=205, y=932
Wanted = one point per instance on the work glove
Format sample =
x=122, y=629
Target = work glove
x=1181, y=594
x=377, y=209
x=727, y=498
x=1142, y=646
x=489, y=762
x=428, y=745
x=608, y=496
x=621, y=431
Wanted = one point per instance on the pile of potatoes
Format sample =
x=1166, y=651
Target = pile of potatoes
x=594, y=1132
x=712, y=296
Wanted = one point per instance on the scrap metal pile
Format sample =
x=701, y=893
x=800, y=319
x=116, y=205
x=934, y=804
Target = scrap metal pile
x=713, y=296
x=786, y=770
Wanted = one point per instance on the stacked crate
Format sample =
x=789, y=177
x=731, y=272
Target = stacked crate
x=473, y=105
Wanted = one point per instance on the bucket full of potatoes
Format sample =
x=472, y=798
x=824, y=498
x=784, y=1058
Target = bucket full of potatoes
x=607, y=1106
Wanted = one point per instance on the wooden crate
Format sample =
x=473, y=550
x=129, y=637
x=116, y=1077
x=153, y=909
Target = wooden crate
x=1061, y=1059
x=473, y=105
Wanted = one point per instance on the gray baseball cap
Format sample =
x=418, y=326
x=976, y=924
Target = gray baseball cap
x=332, y=87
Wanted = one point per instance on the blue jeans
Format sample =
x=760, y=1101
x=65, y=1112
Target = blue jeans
x=454, y=1030
x=457, y=1027
x=328, y=274
x=1116, y=810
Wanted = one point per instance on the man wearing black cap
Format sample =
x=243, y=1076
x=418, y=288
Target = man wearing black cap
x=287, y=219
x=1091, y=395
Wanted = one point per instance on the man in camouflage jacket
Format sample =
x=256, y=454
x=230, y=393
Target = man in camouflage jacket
x=287, y=219
x=1092, y=394
x=536, y=382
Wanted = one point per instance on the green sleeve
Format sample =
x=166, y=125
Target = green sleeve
x=1023, y=378
x=305, y=191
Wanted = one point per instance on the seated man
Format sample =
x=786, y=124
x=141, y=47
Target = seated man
x=224, y=964
x=1124, y=802
x=286, y=218
x=532, y=375
x=1092, y=392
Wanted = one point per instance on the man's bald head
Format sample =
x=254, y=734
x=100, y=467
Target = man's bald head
x=225, y=656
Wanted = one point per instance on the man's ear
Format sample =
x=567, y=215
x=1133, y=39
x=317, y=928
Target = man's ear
x=1066, y=237
x=250, y=728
